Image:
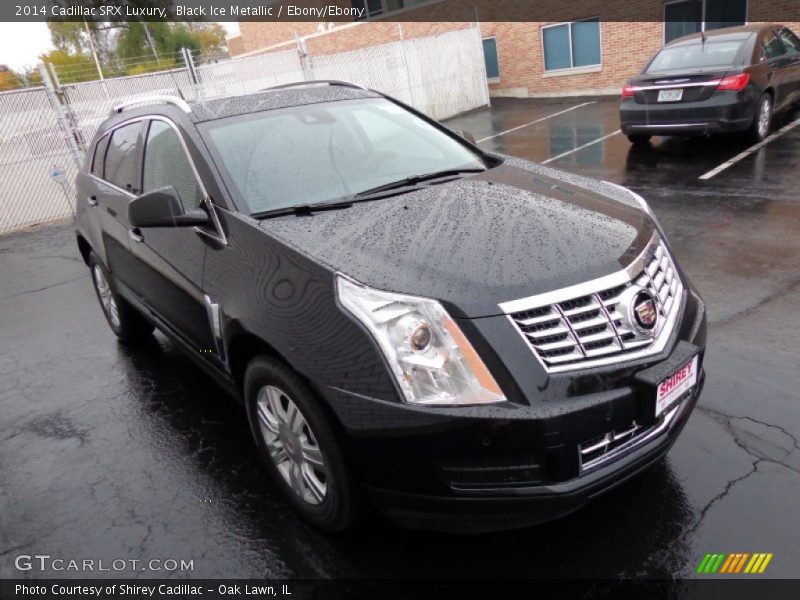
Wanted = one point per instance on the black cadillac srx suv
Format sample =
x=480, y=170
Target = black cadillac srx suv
x=469, y=341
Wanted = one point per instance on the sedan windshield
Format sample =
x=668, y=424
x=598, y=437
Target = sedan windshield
x=323, y=152
x=695, y=56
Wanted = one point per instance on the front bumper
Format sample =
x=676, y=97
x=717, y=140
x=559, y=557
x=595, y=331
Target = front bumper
x=517, y=463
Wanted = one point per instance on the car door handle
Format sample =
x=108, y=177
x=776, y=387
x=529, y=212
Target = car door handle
x=136, y=235
x=91, y=201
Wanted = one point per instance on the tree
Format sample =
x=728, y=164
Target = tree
x=8, y=79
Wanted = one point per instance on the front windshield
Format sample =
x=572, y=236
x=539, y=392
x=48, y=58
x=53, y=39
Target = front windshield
x=322, y=152
x=695, y=56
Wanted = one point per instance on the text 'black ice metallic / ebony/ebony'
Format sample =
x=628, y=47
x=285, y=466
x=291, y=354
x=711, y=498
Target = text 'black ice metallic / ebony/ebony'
x=466, y=340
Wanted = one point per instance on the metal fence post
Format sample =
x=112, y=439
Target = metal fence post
x=69, y=131
x=408, y=69
x=188, y=60
x=483, y=57
x=305, y=59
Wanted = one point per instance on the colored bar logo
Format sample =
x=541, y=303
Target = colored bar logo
x=736, y=563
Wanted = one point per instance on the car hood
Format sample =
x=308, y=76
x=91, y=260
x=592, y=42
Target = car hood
x=514, y=231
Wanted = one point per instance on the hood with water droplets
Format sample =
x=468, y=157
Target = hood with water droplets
x=517, y=230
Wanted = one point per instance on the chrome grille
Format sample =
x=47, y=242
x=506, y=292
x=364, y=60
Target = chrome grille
x=585, y=325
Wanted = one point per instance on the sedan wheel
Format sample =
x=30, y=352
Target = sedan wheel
x=292, y=445
x=763, y=119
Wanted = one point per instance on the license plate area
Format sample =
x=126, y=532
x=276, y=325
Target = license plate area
x=670, y=95
x=654, y=399
x=673, y=387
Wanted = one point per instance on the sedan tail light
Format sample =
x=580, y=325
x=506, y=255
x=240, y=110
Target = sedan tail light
x=734, y=83
x=628, y=90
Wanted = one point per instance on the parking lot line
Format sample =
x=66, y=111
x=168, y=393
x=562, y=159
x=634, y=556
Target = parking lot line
x=592, y=143
x=750, y=150
x=491, y=137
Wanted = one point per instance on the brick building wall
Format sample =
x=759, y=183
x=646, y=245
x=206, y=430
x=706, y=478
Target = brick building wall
x=625, y=45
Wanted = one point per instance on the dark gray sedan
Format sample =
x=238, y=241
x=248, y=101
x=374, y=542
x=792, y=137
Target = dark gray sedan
x=726, y=80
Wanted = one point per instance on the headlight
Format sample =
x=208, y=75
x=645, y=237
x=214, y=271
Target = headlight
x=430, y=358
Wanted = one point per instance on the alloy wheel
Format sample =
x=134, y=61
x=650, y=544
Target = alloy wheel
x=107, y=300
x=292, y=445
x=764, y=116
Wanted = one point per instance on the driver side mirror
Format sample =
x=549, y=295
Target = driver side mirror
x=163, y=208
x=467, y=136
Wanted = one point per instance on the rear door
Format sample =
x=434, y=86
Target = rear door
x=792, y=75
x=115, y=170
x=170, y=262
x=777, y=63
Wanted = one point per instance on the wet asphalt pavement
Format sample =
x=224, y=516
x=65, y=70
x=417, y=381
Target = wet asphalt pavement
x=112, y=452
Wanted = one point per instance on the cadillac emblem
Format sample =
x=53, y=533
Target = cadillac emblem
x=644, y=310
x=638, y=311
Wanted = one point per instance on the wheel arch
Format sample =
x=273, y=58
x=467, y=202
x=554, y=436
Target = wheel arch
x=84, y=248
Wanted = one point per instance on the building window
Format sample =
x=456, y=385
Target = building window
x=490, y=58
x=571, y=45
x=684, y=17
x=375, y=8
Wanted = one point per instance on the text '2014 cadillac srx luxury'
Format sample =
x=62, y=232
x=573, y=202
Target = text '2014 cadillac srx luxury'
x=466, y=340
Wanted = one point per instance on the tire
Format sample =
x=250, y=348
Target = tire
x=289, y=428
x=125, y=321
x=759, y=128
x=639, y=140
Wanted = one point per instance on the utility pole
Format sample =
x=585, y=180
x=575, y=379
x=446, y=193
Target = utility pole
x=150, y=39
x=94, y=51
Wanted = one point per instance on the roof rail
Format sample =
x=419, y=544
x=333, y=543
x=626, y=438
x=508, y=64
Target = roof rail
x=173, y=100
x=331, y=82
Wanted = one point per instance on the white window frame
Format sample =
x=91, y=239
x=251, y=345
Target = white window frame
x=572, y=70
x=702, y=16
x=497, y=52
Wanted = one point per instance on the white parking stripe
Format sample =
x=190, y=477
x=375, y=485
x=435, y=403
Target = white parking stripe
x=567, y=153
x=750, y=150
x=491, y=137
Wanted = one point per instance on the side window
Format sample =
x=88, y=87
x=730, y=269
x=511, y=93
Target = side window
x=120, y=163
x=772, y=46
x=99, y=155
x=166, y=163
x=790, y=40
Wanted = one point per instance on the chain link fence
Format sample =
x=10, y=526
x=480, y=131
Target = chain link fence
x=37, y=167
x=44, y=131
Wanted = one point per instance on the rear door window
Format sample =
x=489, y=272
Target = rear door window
x=99, y=155
x=121, y=156
x=772, y=46
x=790, y=40
x=166, y=164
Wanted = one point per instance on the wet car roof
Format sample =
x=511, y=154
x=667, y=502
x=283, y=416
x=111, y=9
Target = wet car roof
x=271, y=99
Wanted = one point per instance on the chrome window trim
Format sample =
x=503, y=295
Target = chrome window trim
x=220, y=235
x=625, y=276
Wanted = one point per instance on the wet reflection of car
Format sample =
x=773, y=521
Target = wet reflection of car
x=726, y=80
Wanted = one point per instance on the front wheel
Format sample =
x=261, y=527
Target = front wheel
x=762, y=120
x=298, y=446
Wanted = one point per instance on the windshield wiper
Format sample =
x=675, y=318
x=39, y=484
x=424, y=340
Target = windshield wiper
x=301, y=209
x=414, y=180
x=308, y=209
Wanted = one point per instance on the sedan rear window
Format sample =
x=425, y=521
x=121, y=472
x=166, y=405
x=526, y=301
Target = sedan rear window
x=695, y=56
x=323, y=152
